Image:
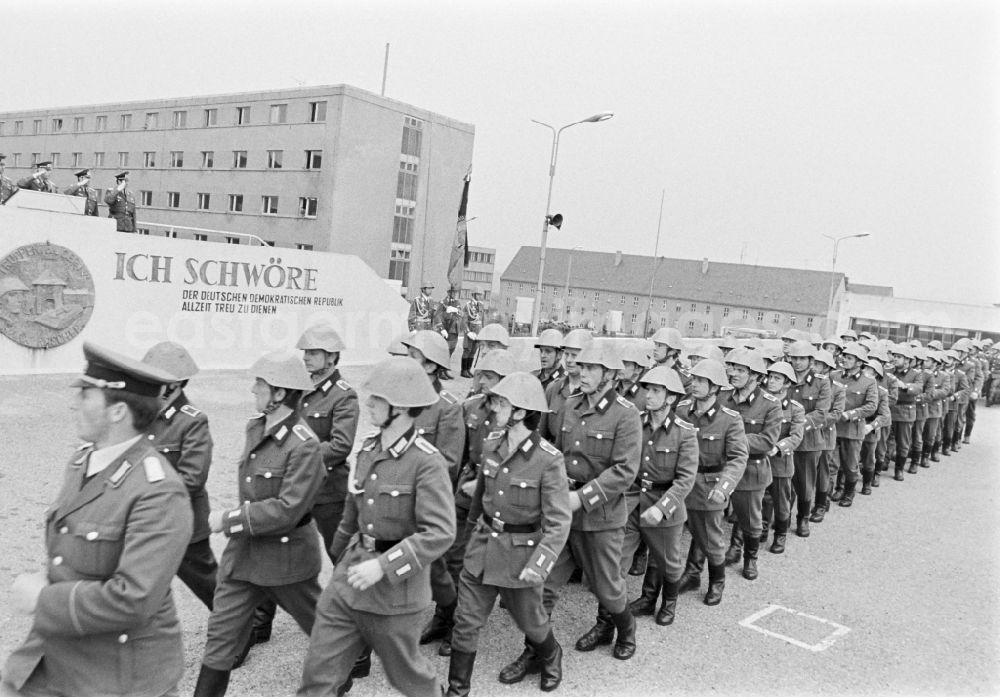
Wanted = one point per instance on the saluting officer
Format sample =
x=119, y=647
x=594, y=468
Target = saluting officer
x=82, y=189
x=180, y=433
x=812, y=391
x=422, y=309
x=7, y=187
x=273, y=548
x=39, y=180
x=519, y=520
x=103, y=618
x=398, y=519
x=778, y=498
x=549, y=345
x=121, y=203
x=472, y=324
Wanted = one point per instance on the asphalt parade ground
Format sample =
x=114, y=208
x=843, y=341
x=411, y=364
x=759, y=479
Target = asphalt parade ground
x=895, y=595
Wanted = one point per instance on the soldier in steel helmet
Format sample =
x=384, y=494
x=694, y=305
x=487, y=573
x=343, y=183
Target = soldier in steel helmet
x=823, y=364
x=777, y=501
x=860, y=403
x=812, y=390
x=273, y=546
x=103, y=619
x=637, y=361
x=398, y=519
x=549, y=345
x=519, y=521
x=559, y=389
x=873, y=369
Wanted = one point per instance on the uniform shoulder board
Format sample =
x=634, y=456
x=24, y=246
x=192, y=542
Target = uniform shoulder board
x=624, y=402
x=474, y=398
x=303, y=432
x=796, y=403
x=548, y=447
x=448, y=397
x=190, y=410
x=684, y=403
x=154, y=470
x=731, y=412
x=424, y=445
x=769, y=396
x=493, y=435
x=344, y=385
x=883, y=389
x=684, y=424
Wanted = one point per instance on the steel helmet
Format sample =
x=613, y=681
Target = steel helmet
x=857, y=350
x=877, y=367
x=523, y=391
x=635, y=352
x=772, y=353
x=397, y=348
x=728, y=342
x=816, y=339
x=849, y=334
x=878, y=353
x=915, y=343
x=577, y=339
x=901, y=350
x=402, y=382
x=494, y=332
x=600, y=353
x=171, y=358
x=800, y=349
x=322, y=337
x=752, y=343
x=432, y=345
x=282, y=369
x=667, y=377
x=424, y=283
x=952, y=354
x=935, y=356
x=832, y=340
x=711, y=370
x=826, y=358
x=670, y=337
x=499, y=361
x=867, y=335
x=749, y=358
x=935, y=345
x=550, y=338
x=867, y=343
x=920, y=353
x=782, y=368
x=708, y=350
x=795, y=335
x=961, y=344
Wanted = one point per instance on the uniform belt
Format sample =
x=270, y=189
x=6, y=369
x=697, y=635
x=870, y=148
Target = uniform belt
x=711, y=470
x=373, y=545
x=306, y=519
x=574, y=485
x=650, y=485
x=501, y=526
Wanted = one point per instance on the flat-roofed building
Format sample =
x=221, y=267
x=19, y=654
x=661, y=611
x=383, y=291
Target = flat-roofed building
x=479, y=273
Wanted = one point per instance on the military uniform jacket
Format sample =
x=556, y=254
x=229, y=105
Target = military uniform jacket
x=960, y=393
x=472, y=316
x=813, y=392
x=555, y=374
x=892, y=385
x=400, y=500
x=331, y=410
x=84, y=191
x=910, y=387
x=838, y=398
x=421, y=313
x=668, y=468
x=601, y=444
x=106, y=623
x=442, y=426
x=180, y=433
x=272, y=539
x=121, y=207
x=450, y=322
x=860, y=402
x=936, y=390
x=793, y=424
x=633, y=392
x=761, y=414
x=37, y=184
x=478, y=425
x=556, y=393
x=973, y=373
x=722, y=453
x=526, y=486
x=882, y=417
x=7, y=189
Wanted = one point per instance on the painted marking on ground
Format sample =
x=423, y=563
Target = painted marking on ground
x=837, y=630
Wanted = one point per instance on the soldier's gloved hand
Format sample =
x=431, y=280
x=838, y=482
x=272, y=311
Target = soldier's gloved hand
x=716, y=496
x=26, y=589
x=215, y=521
x=444, y=333
x=774, y=451
x=974, y=396
x=452, y=310
x=652, y=515
x=530, y=576
x=469, y=487
x=575, y=504
x=365, y=575
x=472, y=336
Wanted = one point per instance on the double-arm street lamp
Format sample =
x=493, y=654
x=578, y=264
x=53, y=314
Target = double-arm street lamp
x=555, y=220
x=833, y=274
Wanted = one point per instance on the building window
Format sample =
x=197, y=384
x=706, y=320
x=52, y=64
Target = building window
x=36, y=126
x=406, y=183
x=142, y=231
x=145, y=198
x=314, y=159
x=302, y=245
x=176, y=158
x=78, y=123
x=708, y=309
x=307, y=207
x=232, y=240
x=791, y=321
x=98, y=159
x=101, y=123
x=200, y=237
x=694, y=307
x=123, y=159
x=279, y=113
x=239, y=159
x=180, y=119
x=745, y=314
x=170, y=233
x=635, y=300
x=677, y=309
x=635, y=318
x=54, y=159
x=809, y=322
x=760, y=315
x=36, y=157
x=274, y=158
x=208, y=159
x=269, y=205
x=149, y=159
x=725, y=312
x=663, y=322
x=152, y=120
x=18, y=127
x=242, y=115
x=57, y=125
x=317, y=112
x=125, y=122
x=412, y=136
x=78, y=159
x=17, y=159
x=235, y=203
x=691, y=326
x=211, y=117
x=704, y=328
x=402, y=224
x=776, y=319
x=204, y=200
x=399, y=266
x=173, y=199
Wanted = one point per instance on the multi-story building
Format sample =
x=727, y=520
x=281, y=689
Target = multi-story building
x=331, y=168
x=479, y=273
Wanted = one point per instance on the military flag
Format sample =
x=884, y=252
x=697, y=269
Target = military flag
x=460, y=248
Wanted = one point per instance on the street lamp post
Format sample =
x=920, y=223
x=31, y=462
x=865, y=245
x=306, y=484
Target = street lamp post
x=656, y=265
x=569, y=270
x=833, y=274
x=596, y=118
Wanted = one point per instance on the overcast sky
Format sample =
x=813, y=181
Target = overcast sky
x=768, y=124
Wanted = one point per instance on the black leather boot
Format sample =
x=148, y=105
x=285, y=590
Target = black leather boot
x=716, y=584
x=802, y=524
x=645, y=604
x=923, y=459
x=460, y=673
x=625, y=643
x=527, y=662
x=735, y=550
x=914, y=462
x=838, y=491
x=362, y=664
x=934, y=453
x=211, y=682
x=750, y=546
x=466, y=366
x=550, y=654
x=780, y=530
x=766, y=512
x=639, y=560
x=866, y=483
x=875, y=477
x=945, y=448
x=818, y=511
x=900, y=465
x=691, y=580
x=603, y=632
x=665, y=615
x=440, y=624
x=848, y=495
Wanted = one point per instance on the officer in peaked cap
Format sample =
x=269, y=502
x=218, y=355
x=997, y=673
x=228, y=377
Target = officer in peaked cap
x=121, y=203
x=39, y=180
x=103, y=617
x=472, y=323
x=422, y=308
x=7, y=187
x=82, y=189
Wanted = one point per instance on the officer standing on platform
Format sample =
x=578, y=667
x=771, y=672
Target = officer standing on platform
x=549, y=345
x=103, y=617
x=82, y=189
x=7, y=187
x=448, y=319
x=422, y=309
x=399, y=517
x=519, y=521
x=39, y=181
x=778, y=497
x=472, y=324
x=121, y=203
x=273, y=548
x=812, y=391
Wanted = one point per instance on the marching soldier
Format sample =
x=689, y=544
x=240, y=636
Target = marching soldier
x=40, y=180
x=860, y=403
x=398, y=519
x=560, y=389
x=976, y=375
x=422, y=309
x=823, y=363
x=519, y=520
x=7, y=187
x=103, y=617
x=667, y=347
x=121, y=203
x=722, y=459
x=273, y=548
x=636, y=361
x=812, y=391
x=549, y=345
x=874, y=424
x=778, y=497
x=922, y=402
x=957, y=402
x=82, y=189
x=493, y=337
x=706, y=350
x=937, y=391
x=472, y=324
x=904, y=413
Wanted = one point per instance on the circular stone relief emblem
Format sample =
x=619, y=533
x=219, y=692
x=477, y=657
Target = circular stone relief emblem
x=46, y=295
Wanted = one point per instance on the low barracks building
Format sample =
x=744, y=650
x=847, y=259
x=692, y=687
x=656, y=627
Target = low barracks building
x=331, y=168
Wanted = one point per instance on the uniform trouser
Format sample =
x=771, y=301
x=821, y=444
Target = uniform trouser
x=930, y=433
x=746, y=506
x=445, y=571
x=881, y=448
x=707, y=534
x=902, y=432
x=327, y=517
x=849, y=451
x=950, y=421
x=452, y=343
x=827, y=463
x=37, y=685
x=339, y=635
x=780, y=493
x=468, y=348
x=960, y=412
x=867, y=455
x=917, y=442
x=970, y=417
x=475, y=602
x=804, y=479
x=231, y=620
x=664, y=544
x=198, y=570
x=598, y=553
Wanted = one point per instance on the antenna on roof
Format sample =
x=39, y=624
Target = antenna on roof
x=385, y=68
